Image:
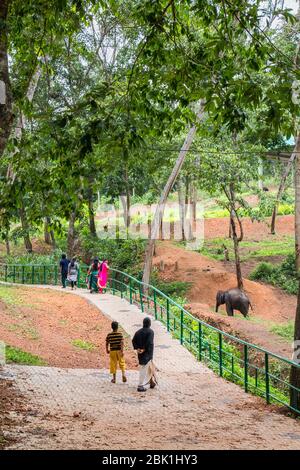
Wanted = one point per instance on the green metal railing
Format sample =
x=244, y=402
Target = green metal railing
x=259, y=371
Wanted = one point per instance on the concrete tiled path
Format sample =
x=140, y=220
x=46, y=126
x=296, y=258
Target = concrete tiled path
x=192, y=407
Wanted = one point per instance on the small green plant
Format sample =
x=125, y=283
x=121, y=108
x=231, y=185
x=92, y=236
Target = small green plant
x=81, y=344
x=17, y=356
x=285, y=330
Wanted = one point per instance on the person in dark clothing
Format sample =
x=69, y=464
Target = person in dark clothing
x=64, y=263
x=143, y=342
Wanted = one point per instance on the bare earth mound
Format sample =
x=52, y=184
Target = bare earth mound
x=219, y=227
x=208, y=276
x=64, y=330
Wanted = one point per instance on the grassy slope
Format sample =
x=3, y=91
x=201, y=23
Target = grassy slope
x=11, y=299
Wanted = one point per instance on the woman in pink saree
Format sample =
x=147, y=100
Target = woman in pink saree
x=102, y=275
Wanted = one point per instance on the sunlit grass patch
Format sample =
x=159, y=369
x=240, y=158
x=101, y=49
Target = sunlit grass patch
x=285, y=330
x=85, y=345
x=17, y=356
x=249, y=249
x=10, y=295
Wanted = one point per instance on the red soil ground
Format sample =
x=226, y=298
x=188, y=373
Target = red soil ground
x=208, y=276
x=45, y=322
x=215, y=228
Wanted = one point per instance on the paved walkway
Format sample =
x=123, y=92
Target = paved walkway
x=191, y=409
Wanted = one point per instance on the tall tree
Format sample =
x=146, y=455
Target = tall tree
x=165, y=193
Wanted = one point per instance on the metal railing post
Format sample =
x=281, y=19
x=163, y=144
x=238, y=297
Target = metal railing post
x=23, y=274
x=267, y=378
x=55, y=275
x=155, y=306
x=6, y=273
x=32, y=275
x=141, y=298
x=130, y=291
x=181, y=326
x=220, y=355
x=199, y=341
x=168, y=315
x=246, y=367
x=113, y=283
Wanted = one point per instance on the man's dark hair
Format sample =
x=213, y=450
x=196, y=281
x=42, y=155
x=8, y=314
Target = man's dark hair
x=114, y=325
x=63, y=256
x=147, y=322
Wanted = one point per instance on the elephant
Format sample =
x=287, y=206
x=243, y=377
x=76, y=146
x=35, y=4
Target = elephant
x=235, y=299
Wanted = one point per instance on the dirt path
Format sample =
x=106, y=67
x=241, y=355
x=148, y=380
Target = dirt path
x=191, y=409
x=207, y=276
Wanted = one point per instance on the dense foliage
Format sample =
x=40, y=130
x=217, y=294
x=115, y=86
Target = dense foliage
x=283, y=275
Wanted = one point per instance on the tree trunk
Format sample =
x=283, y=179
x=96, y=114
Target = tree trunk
x=281, y=188
x=295, y=371
x=194, y=201
x=162, y=202
x=53, y=242
x=47, y=236
x=25, y=228
x=188, y=231
x=260, y=174
x=72, y=237
x=6, y=117
x=297, y=202
x=236, y=239
x=7, y=244
x=48, y=233
x=239, y=276
x=127, y=221
x=181, y=203
x=90, y=200
x=125, y=200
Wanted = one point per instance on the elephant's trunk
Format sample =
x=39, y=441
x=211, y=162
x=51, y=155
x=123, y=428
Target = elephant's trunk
x=219, y=299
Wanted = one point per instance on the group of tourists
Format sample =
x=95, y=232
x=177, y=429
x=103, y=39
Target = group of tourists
x=97, y=274
x=143, y=340
x=69, y=271
x=143, y=343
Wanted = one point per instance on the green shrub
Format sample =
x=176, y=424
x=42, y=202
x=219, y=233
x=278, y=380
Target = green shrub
x=33, y=258
x=172, y=289
x=125, y=255
x=283, y=275
x=262, y=272
x=285, y=209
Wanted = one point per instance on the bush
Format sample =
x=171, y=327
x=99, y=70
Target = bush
x=283, y=275
x=172, y=289
x=285, y=209
x=125, y=255
x=262, y=272
x=33, y=258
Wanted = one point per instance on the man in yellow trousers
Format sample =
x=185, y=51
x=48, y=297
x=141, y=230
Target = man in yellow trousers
x=115, y=349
